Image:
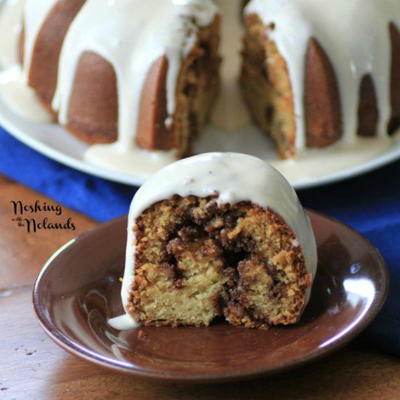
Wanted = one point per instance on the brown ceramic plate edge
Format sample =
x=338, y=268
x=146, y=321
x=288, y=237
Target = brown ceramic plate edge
x=84, y=353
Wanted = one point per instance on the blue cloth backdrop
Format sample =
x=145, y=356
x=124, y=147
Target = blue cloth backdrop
x=369, y=203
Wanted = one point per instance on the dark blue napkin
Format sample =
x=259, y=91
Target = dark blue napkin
x=370, y=204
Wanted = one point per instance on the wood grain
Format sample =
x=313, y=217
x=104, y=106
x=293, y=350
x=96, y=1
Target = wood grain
x=33, y=367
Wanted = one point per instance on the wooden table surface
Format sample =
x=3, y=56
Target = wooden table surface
x=32, y=367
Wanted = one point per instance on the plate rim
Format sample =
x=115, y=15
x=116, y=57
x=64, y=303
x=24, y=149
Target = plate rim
x=84, y=353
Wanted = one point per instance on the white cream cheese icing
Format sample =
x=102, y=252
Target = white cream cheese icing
x=11, y=12
x=233, y=177
x=20, y=97
x=355, y=35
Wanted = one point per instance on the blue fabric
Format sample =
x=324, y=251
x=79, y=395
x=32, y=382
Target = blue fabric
x=95, y=197
x=370, y=204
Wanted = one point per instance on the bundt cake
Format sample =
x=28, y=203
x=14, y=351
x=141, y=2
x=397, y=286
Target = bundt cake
x=319, y=71
x=142, y=75
x=217, y=235
x=131, y=72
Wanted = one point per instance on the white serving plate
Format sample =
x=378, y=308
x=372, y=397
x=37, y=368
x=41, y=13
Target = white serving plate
x=56, y=143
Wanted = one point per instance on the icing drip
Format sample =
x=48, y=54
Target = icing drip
x=234, y=178
x=20, y=97
x=355, y=35
x=123, y=34
x=11, y=13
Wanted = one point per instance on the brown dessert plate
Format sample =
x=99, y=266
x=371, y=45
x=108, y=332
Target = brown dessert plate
x=79, y=290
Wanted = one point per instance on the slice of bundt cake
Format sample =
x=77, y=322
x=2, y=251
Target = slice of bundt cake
x=141, y=74
x=219, y=234
x=316, y=71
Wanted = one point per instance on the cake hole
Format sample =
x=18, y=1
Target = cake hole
x=190, y=232
x=394, y=125
x=232, y=259
x=269, y=114
x=176, y=274
x=203, y=53
x=190, y=90
x=193, y=123
x=264, y=74
x=205, y=46
x=277, y=287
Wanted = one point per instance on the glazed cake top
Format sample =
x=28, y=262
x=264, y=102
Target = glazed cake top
x=354, y=34
x=233, y=177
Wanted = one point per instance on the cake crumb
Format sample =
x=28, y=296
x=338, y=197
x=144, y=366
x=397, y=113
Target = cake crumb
x=141, y=335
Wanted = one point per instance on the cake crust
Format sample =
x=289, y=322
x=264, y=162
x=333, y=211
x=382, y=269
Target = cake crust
x=321, y=97
x=43, y=69
x=368, y=113
x=93, y=110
